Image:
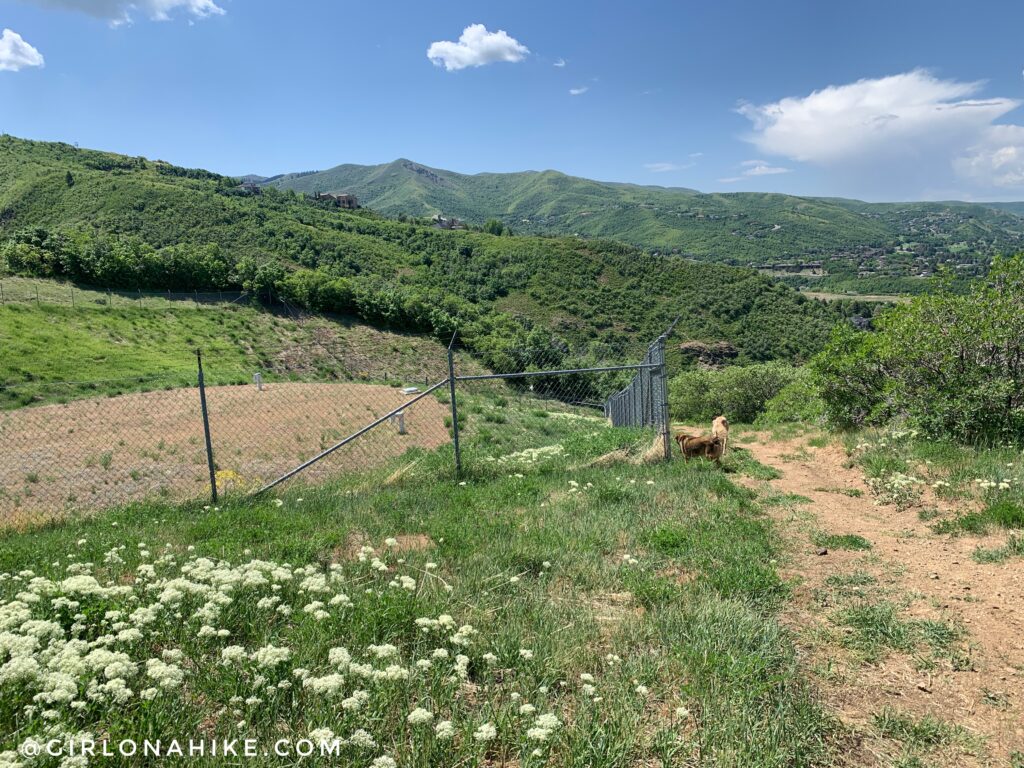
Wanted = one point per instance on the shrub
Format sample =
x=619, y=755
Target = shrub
x=1006, y=514
x=740, y=392
x=798, y=402
x=848, y=378
x=950, y=364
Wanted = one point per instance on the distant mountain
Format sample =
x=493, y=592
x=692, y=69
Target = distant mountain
x=831, y=244
x=738, y=228
x=1016, y=208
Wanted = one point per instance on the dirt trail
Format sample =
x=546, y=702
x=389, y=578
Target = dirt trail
x=936, y=575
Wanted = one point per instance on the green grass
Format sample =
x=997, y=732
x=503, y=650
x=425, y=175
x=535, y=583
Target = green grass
x=855, y=579
x=853, y=493
x=1002, y=513
x=841, y=541
x=36, y=291
x=785, y=499
x=877, y=627
x=924, y=733
x=109, y=351
x=990, y=476
x=572, y=563
x=742, y=461
x=1014, y=547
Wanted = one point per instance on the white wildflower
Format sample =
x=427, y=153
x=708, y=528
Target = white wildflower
x=444, y=730
x=485, y=732
x=420, y=716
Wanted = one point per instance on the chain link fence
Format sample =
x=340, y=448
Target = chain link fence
x=20, y=290
x=212, y=432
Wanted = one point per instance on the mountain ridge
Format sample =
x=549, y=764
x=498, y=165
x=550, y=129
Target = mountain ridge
x=891, y=244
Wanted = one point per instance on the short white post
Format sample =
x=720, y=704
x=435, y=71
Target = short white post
x=399, y=419
x=258, y=378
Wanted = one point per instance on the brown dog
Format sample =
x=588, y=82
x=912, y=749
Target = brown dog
x=702, y=446
x=720, y=429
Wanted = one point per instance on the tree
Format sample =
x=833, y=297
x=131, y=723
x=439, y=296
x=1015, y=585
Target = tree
x=69, y=179
x=947, y=363
x=494, y=227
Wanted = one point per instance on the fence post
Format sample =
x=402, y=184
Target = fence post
x=455, y=408
x=72, y=297
x=206, y=428
x=664, y=418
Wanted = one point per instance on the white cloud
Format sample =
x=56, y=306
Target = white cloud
x=896, y=136
x=667, y=167
x=119, y=12
x=995, y=161
x=560, y=62
x=754, y=168
x=476, y=47
x=840, y=122
x=16, y=54
x=579, y=91
x=761, y=168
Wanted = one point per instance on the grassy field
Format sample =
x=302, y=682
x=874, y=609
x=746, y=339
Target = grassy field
x=33, y=290
x=57, y=353
x=546, y=610
x=871, y=297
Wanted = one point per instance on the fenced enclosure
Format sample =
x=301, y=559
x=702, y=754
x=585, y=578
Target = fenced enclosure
x=221, y=431
x=21, y=290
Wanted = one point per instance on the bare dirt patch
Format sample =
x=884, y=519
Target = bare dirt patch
x=90, y=454
x=611, y=609
x=931, y=577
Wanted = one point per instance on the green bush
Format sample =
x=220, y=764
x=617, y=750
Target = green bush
x=951, y=365
x=797, y=402
x=848, y=378
x=739, y=392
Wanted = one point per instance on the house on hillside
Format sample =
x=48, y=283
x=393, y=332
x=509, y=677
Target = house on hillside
x=337, y=199
x=442, y=222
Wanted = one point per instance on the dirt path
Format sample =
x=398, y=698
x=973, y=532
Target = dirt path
x=979, y=685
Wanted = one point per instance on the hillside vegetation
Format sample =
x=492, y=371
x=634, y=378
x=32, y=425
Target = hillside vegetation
x=119, y=221
x=60, y=352
x=888, y=243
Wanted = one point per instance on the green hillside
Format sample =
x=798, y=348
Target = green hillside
x=1016, y=208
x=110, y=220
x=54, y=352
x=738, y=228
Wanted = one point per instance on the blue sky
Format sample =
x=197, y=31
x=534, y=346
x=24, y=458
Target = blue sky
x=878, y=100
